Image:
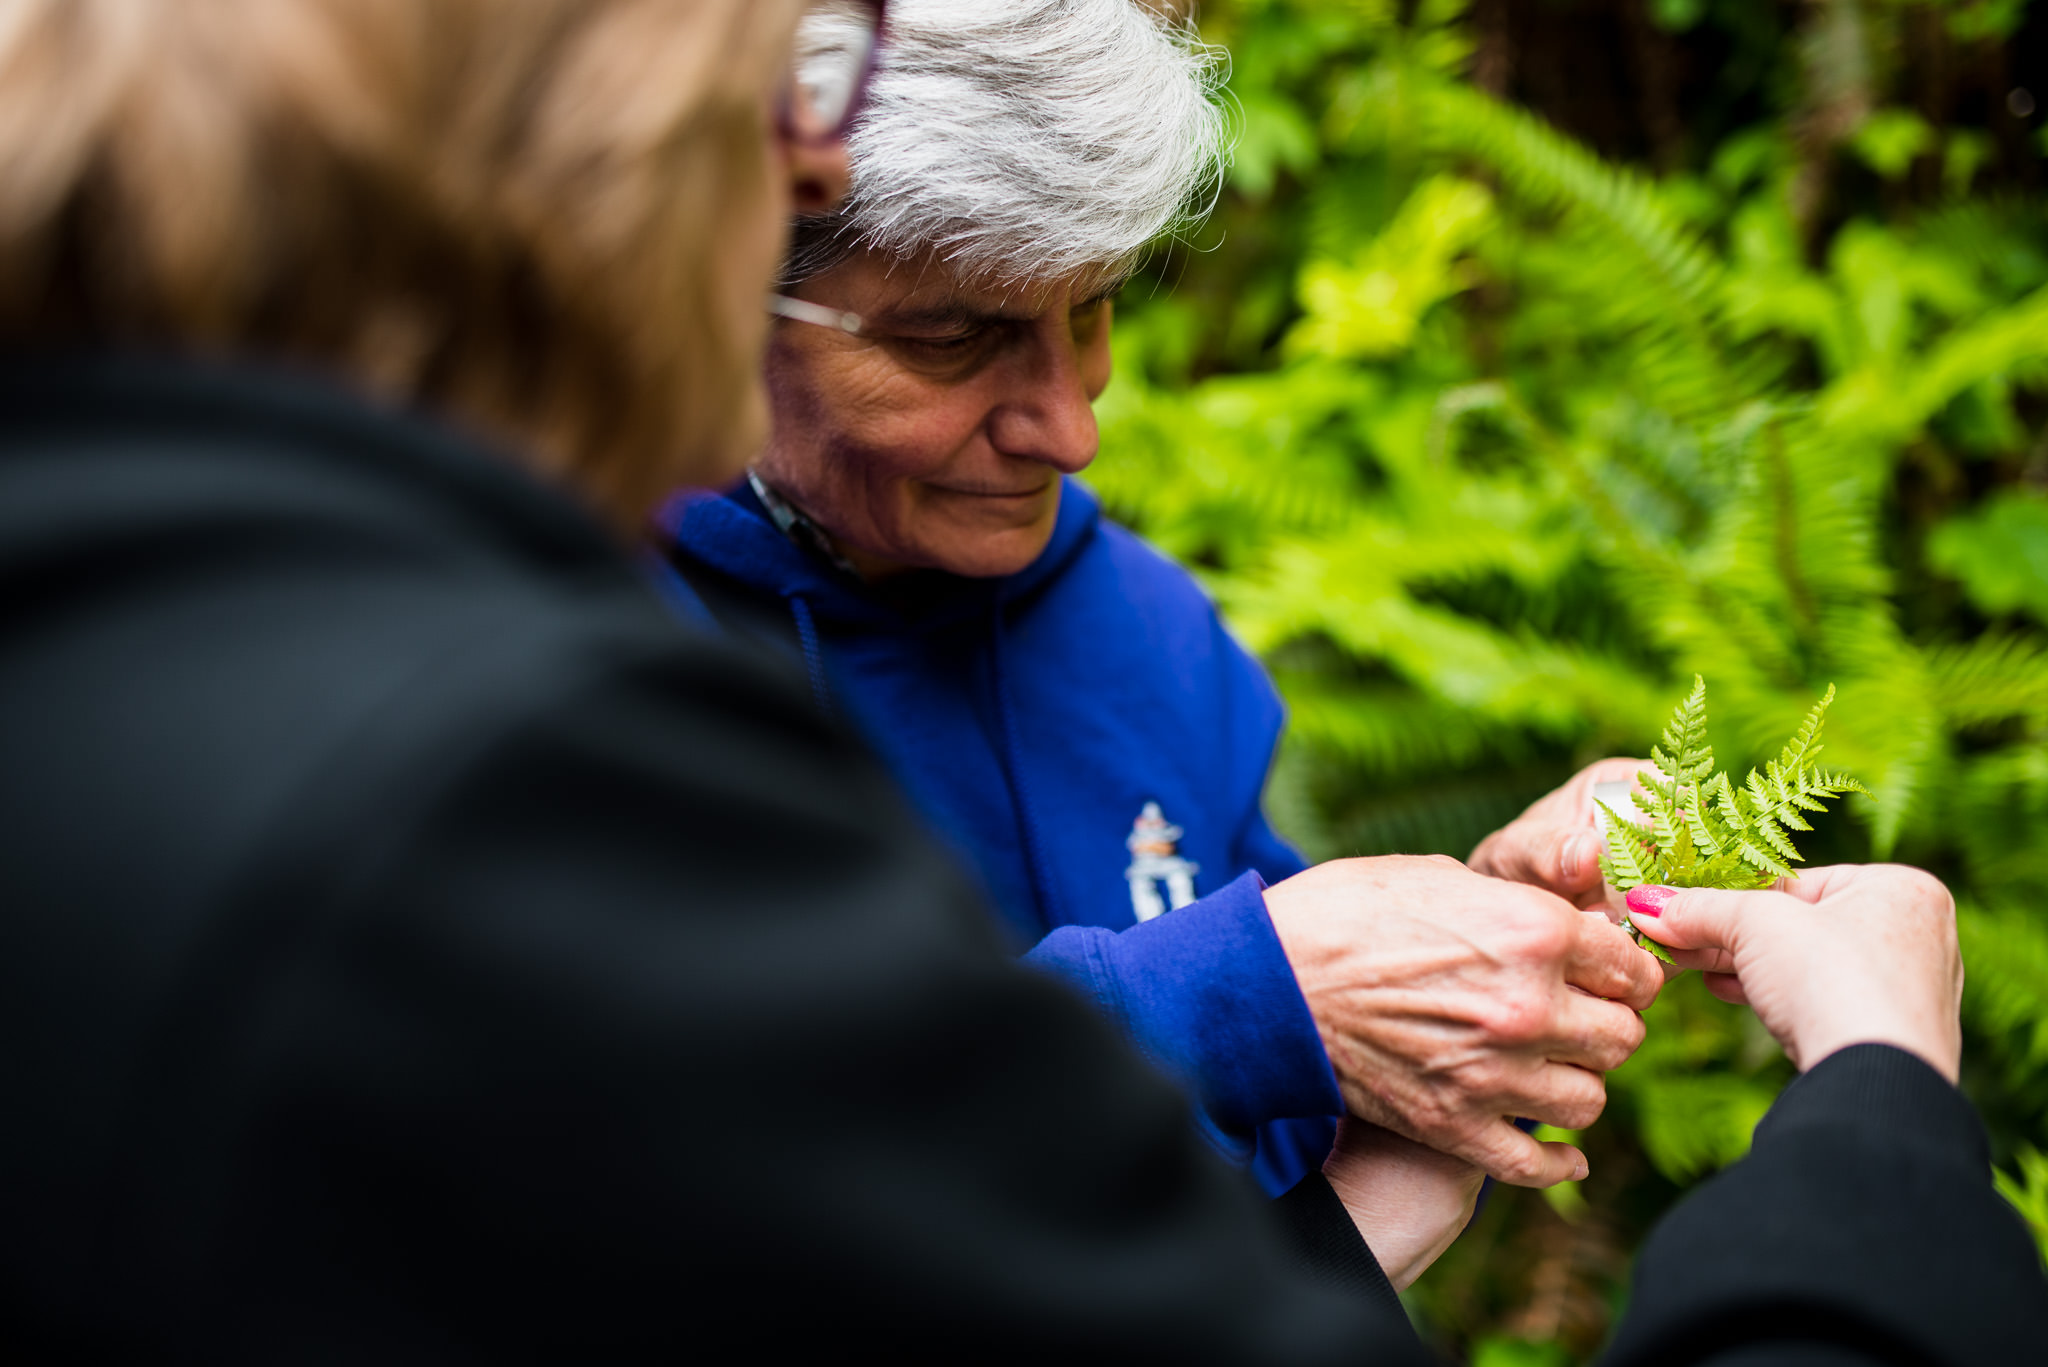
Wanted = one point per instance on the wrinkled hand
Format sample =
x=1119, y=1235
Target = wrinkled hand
x=1409, y=1202
x=1855, y=954
x=1448, y=1002
x=1556, y=843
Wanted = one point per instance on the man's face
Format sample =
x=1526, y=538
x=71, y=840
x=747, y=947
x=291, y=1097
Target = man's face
x=937, y=438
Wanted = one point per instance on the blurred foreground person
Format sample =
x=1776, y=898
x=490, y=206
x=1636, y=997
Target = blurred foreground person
x=421, y=950
x=1059, y=700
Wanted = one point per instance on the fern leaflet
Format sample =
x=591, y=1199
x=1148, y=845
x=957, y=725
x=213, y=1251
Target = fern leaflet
x=1703, y=830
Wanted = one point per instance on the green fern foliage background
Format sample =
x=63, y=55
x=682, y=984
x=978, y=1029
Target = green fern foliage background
x=1489, y=443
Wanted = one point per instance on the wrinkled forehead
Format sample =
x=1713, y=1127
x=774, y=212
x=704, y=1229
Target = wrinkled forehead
x=929, y=285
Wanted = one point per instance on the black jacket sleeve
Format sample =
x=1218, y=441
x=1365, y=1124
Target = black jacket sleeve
x=1862, y=1228
x=1332, y=1251
x=661, y=1026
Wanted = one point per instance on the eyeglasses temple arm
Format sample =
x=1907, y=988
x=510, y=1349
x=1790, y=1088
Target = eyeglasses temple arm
x=803, y=311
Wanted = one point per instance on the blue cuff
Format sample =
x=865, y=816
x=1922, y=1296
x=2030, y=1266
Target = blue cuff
x=1208, y=994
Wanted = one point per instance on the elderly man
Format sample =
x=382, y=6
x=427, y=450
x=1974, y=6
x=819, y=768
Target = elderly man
x=1061, y=701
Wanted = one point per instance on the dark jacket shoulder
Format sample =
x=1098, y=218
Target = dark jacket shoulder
x=424, y=949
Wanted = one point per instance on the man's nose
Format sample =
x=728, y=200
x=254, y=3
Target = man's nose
x=1044, y=412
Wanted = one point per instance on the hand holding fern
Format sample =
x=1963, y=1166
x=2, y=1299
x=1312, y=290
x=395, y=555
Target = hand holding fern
x=1555, y=845
x=1449, y=1002
x=1855, y=954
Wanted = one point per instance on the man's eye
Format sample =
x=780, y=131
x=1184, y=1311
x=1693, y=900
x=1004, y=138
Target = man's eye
x=953, y=348
x=953, y=343
x=1088, y=321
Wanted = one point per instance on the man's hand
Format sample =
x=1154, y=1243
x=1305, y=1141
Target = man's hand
x=1449, y=1003
x=1409, y=1202
x=1556, y=843
x=1856, y=954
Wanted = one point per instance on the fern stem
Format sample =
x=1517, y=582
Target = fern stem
x=1785, y=504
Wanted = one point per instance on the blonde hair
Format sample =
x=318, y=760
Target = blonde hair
x=510, y=209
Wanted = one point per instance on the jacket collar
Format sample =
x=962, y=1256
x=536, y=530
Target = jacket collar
x=734, y=534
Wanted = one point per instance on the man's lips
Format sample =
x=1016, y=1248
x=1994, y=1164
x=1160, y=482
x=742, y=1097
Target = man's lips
x=1012, y=495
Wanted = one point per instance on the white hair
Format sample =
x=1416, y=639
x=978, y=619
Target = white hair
x=1028, y=140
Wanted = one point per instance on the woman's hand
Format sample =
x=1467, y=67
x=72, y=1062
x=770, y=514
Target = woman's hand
x=1855, y=954
x=1409, y=1202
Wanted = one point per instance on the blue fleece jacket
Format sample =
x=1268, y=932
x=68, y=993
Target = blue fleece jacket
x=1032, y=719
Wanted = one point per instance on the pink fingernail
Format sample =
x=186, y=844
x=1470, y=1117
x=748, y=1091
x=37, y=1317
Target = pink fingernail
x=1649, y=900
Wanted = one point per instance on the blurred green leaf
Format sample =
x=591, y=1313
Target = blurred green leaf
x=2000, y=553
x=1890, y=139
x=2006, y=954
x=1981, y=20
x=1371, y=304
x=2028, y=1192
x=1966, y=152
x=1488, y=440
x=1677, y=15
x=1507, y=1352
x=1274, y=137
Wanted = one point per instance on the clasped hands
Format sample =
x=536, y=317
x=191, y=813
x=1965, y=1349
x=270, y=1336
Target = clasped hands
x=1454, y=998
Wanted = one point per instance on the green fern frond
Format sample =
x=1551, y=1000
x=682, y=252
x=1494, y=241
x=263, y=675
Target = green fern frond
x=1687, y=732
x=1705, y=832
x=1780, y=845
x=1671, y=317
x=1392, y=732
x=1631, y=853
x=1696, y=1123
x=1992, y=679
x=2005, y=991
x=1805, y=744
x=1556, y=172
x=1777, y=799
x=1886, y=407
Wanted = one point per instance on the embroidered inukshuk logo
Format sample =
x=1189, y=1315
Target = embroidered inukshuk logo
x=1154, y=843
